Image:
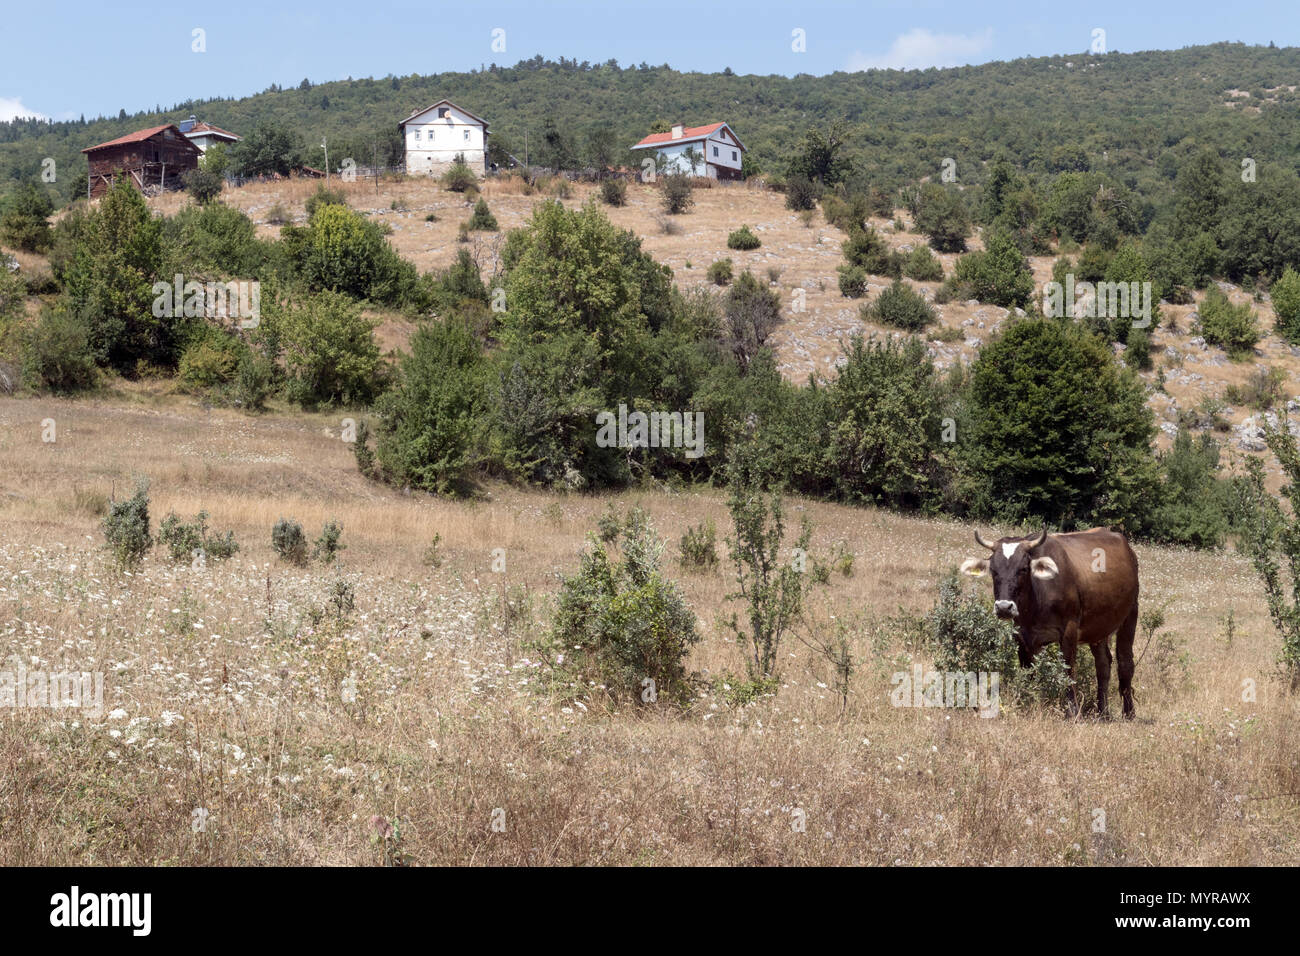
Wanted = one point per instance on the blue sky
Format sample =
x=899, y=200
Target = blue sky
x=65, y=58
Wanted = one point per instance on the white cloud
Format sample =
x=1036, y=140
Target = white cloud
x=918, y=49
x=14, y=109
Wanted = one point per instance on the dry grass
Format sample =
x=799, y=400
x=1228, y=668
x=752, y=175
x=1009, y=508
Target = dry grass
x=223, y=685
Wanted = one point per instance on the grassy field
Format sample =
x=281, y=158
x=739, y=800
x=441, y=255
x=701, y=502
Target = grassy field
x=226, y=737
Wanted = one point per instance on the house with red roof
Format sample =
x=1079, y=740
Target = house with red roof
x=204, y=135
x=714, y=150
x=153, y=158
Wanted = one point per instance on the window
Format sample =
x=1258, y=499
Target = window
x=442, y=112
x=715, y=151
x=417, y=134
x=733, y=155
x=467, y=136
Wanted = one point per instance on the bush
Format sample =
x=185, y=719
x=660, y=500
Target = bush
x=901, y=307
x=942, y=215
x=621, y=623
x=751, y=312
x=289, y=542
x=328, y=545
x=1285, y=296
x=743, y=239
x=342, y=251
x=699, y=547
x=57, y=353
x=429, y=424
x=922, y=266
x=254, y=381
x=482, y=218
x=1137, y=351
x=1193, y=500
x=25, y=223
x=720, y=273
x=613, y=192
x=459, y=177
x=186, y=541
x=999, y=275
x=853, y=282
x=677, y=196
x=1233, y=328
x=329, y=349
x=126, y=528
x=801, y=194
x=212, y=359
x=203, y=185
x=323, y=196
x=865, y=249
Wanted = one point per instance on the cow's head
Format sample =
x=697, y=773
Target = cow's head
x=1012, y=564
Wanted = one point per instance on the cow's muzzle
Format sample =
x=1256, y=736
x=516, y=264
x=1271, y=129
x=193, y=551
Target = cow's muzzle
x=1006, y=610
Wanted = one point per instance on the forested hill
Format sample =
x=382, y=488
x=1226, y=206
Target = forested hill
x=1134, y=116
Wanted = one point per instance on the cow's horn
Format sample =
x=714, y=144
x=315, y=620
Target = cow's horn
x=1039, y=540
x=979, y=539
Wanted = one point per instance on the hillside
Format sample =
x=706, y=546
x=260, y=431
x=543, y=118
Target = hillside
x=1132, y=116
x=222, y=687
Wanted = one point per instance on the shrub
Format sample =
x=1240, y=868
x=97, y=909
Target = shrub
x=459, y=177
x=482, y=218
x=289, y=542
x=720, y=273
x=254, y=381
x=613, y=192
x=772, y=591
x=942, y=215
x=998, y=275
x=329, y=349
x=126, y=528
x=1137, y=351
x=1285, y=295
x=323, y=196
x=432, y=556
x=866, y=250
x=619, y=621
x=429, y=424
x=853, y=282
x=1233, y=328
x=677, y=196
x=25, y=223
x=801, y=194
x=342, y=251
x=1261, y=390
x=187, y=540
x=743, y=239
x=277, y=215
x=203, y=185
x=698, y=547
x=922, y=266
x=57, y=353
x=901, y=307
x=751, y=312
x=1193, y=501
x=211, y=359
x=328, y=545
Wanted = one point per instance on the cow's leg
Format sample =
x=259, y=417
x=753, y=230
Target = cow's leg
x=1069, y=650
x=1101, y=658
x=1124, y=651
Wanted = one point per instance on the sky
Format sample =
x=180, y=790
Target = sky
x=67, y=58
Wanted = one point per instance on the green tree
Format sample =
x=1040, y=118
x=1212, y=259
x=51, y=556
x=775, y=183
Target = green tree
x=942, y=215
x=1285, y=296
x=820, y=157
x=26, y=221
x=1058, y=430
x=999, y=274
x=268, y=148
x=329, y=349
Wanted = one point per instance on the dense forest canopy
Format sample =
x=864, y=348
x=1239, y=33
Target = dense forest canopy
x=1134, y=117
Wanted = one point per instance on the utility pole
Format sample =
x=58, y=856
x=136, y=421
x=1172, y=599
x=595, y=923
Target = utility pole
x=325, y=147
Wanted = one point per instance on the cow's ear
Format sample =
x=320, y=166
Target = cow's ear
x=975, y=567
x=1044, y=568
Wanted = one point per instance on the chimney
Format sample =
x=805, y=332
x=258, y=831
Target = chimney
x=679, y=130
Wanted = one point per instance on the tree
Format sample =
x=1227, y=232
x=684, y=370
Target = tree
x=431, y=421
x=999, y=274
x=602, y=147
x=942, y=215
x=268, y=148
x=1058, y=432
x=820, y=158
x=202, y=184
x=1285, y=296
x=329, y=349
x=26, y=221
x=751, y=312
x=110, y=282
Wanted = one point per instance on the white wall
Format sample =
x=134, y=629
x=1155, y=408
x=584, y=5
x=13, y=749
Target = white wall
x=674, y=154
x=432, y=143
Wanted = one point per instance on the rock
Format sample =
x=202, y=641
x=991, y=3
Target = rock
x=1169, y=428
x=1249, y=436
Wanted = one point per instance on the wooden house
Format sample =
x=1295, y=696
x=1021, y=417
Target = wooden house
x=150, y=158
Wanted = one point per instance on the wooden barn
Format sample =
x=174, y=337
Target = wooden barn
x=154, y=158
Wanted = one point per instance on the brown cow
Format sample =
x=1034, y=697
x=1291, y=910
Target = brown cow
x=1076, y=588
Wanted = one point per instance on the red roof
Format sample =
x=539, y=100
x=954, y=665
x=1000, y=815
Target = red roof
x=136, y=137
x=198, y=128
x=690, y=132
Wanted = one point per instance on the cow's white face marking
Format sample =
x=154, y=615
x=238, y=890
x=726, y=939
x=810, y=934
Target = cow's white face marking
x=1009, y=548
x=1044, y=568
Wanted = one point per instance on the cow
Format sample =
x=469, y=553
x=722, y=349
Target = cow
x=1076, y=588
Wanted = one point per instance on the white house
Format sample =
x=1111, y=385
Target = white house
x=436, y=135
x=204, y=135
x=714, y=150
